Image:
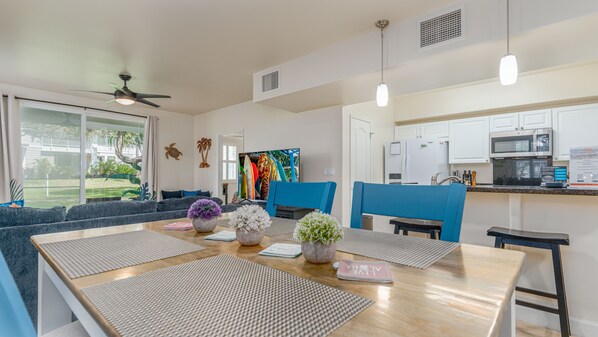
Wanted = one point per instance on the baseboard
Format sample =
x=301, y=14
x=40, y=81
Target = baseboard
x=579, y=327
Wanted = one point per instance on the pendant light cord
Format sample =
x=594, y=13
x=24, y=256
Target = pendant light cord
x=382, y=55
x=508, y=28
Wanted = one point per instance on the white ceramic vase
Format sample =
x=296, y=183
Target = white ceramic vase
x=250, y=238
x=316, y=252
x=203, y=225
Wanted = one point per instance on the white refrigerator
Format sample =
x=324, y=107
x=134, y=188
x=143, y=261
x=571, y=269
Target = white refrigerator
x=415, y=161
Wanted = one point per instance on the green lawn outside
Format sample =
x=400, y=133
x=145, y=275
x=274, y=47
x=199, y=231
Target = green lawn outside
x=65, y=192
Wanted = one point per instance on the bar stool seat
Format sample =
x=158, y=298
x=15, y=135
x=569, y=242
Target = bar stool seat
x=552, y=242
x=528, y=236
x=407, y=225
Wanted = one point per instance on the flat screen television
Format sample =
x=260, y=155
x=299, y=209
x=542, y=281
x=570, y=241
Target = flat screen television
x=258, y=169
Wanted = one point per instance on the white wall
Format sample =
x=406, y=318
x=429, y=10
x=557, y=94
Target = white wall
x=317, y=133
x=564, y=85
x=173, y=128
x=381, y=120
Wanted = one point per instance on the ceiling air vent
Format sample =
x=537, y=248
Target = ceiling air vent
x=441, y=28
x=270, y=81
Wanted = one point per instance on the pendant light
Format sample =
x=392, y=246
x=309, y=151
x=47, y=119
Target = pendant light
x=382, y=90
x=508, y=64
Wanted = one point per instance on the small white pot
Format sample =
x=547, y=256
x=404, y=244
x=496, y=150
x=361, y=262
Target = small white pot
x=203, y=225
x=250, y=238
x=316, y=252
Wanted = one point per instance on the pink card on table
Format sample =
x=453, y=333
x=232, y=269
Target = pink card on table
x=366, y=271
x=178, y=226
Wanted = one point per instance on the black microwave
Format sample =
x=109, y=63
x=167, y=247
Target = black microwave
x=521, y=143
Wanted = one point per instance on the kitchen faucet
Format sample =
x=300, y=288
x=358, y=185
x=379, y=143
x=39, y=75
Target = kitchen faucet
x=451, y=178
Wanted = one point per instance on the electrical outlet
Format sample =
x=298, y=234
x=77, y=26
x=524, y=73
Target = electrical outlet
x=328, y=172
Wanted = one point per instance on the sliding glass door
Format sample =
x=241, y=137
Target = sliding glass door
x=113, y=156
x=51, y=151
x=60, y=143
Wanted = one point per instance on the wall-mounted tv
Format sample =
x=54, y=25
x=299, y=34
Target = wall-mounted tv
x=258, y=169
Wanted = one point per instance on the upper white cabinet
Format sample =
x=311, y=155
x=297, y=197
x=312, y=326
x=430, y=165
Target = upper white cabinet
x=424, y=130
x=574, y=127
x=505, y=122
x=469, y=140
x=535, y=119
x=407, y=132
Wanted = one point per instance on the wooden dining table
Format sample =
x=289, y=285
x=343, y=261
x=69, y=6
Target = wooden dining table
x=468, y=292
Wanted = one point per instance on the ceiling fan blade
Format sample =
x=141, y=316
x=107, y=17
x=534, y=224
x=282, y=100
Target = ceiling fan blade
x=95, y=92
x=140, y=95
x=144, y=101
x=111, y=101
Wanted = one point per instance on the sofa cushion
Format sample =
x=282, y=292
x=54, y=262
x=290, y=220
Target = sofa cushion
x=110, y=209
x=171, y=194
x=181, y=203
x=29, y=216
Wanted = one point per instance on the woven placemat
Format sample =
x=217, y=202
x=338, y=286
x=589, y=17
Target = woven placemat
x=223, y=296
x=88, y=256
x=406, y=250
x=279, y=226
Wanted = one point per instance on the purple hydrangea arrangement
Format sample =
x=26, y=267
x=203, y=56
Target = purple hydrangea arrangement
x=205, y=209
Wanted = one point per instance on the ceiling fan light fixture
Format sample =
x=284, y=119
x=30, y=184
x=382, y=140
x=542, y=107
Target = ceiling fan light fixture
x=124, y=101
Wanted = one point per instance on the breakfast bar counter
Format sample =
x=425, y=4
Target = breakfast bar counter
x=532, y=190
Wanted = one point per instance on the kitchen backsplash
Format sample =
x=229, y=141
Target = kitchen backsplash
x=484, y=171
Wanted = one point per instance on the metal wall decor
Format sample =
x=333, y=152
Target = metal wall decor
x=173, y=152
x=203, y=146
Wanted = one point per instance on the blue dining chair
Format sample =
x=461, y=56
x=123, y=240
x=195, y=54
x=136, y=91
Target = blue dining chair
x=440, y=203
x=14, y=319
x=318, y=195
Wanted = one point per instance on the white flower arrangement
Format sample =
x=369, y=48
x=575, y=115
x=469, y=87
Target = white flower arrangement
x=250, y=218
x=318, y=227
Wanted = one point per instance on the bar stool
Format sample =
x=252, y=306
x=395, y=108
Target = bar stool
x=407, y=225
x=553, y=242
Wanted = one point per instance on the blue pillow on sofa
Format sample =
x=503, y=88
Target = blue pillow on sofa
x=198, y=193
x=172, y=194
x=30, y=216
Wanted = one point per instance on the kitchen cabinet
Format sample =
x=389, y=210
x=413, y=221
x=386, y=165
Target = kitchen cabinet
x=407, y=132
x=574, y=127
x=423, y=130
x=535, y=119
x=469, y=140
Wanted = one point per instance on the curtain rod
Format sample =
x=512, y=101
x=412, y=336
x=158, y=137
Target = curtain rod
x=76, y=106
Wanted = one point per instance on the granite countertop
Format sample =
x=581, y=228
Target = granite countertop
x=530, y=190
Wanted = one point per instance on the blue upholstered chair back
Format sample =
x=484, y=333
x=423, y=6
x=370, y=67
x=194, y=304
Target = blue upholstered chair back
x=307, y=195
x=14, y=319
x=441, y=203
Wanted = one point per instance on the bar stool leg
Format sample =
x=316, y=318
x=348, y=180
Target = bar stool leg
x=405, y=232
x=560, y=291
x=498, y=243
x=397, y=229
x=433, y=234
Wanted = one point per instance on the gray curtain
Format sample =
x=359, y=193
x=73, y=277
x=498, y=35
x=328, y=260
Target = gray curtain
x=11, y=182
x=149, y=163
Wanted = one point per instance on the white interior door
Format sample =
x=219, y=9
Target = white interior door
x=361, y=150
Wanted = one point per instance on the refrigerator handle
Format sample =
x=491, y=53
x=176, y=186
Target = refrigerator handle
x=405, y=174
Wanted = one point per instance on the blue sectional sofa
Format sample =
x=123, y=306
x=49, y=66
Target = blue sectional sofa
x=18, y=225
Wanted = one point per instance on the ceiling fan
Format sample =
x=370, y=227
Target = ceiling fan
x=125, y=96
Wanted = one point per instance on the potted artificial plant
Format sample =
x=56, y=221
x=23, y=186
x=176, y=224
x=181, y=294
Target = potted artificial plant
x=250, y=223
x=204, y=214
x=318, y=233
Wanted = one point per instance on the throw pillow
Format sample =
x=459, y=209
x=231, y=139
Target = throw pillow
x=171, y=194
x=191, y=193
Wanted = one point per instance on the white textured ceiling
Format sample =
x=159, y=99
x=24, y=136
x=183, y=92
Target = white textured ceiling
x=201, y=52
